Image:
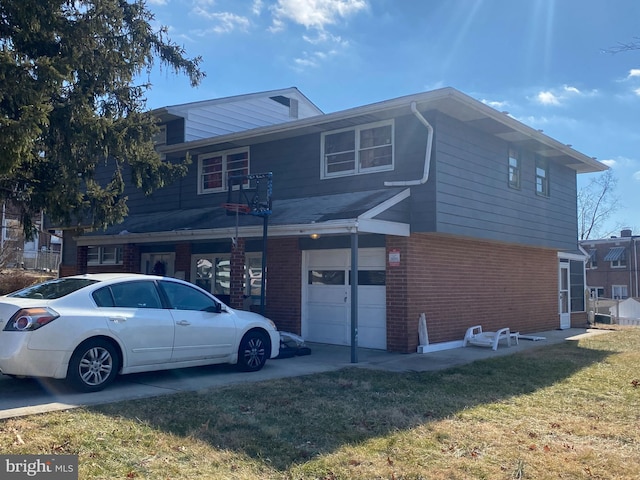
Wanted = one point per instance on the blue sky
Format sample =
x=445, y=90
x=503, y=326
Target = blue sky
x=547, y=62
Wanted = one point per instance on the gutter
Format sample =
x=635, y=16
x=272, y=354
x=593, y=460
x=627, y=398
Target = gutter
x=427, y=153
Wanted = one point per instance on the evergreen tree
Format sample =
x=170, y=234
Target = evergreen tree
x=69, y=100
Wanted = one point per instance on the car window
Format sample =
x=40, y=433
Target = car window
x=53, y=289
x=129, y=295
x=183, y=297
x=103, y=297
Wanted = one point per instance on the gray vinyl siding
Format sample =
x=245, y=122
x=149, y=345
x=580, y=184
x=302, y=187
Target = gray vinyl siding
x=473, y=198
x=175, y=131
x=467, y=192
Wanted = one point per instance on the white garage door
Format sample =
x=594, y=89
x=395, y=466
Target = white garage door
x=327, y=299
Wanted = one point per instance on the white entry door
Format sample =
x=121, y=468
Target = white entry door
x=564, y=299
x=327, y=297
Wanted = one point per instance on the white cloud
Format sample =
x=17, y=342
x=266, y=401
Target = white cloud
x=634, y=72
x=569, y=89
x=223, y=22
x=157, y=2
x=636, y=176
x=637, y=91
x=316, y=14
x=611, y=163
x=548, y=98
x=498, y=105
x=256, y=7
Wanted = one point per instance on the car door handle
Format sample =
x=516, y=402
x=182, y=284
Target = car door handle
x=117, y=319
x=183, y=322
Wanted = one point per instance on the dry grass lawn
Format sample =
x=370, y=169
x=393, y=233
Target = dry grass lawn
x=569, y=411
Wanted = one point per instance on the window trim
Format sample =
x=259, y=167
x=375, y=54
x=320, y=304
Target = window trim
x=621, y=297
x=514, y=154
x=225, y=172
x=118, y=260
x=357, y=170
x=542, y=164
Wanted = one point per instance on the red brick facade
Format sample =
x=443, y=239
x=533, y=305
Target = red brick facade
x=458, y=283
x=284, y=283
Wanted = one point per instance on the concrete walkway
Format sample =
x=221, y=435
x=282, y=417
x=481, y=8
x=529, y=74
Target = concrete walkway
x=30, y=396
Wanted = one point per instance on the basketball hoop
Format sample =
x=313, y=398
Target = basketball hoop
x=236, y=207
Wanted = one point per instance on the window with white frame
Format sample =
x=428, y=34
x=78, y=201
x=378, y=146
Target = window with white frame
x=542, y=176
x=365, y=149
x=596, y=292
x=214, y=169
x=619, y=291
x=514, y=168
x=592, y=262
x=105, y=255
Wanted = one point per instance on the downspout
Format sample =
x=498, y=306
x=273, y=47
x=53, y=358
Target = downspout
x=427, y=154
x=635, y=258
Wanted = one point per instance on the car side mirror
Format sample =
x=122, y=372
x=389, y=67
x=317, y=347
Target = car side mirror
x=215, y=308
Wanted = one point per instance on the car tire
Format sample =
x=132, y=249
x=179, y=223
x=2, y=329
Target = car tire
x=253, y=351
x=93, y=366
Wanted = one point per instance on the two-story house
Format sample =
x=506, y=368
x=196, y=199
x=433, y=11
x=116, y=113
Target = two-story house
x=612, y=267
x=431, y=203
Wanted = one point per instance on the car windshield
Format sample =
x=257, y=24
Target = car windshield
x=53, y=288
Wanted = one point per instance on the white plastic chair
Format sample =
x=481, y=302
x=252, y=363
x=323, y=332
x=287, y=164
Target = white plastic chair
x=475, y=336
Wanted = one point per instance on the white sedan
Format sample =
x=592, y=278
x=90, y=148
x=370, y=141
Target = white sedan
x=89, y=328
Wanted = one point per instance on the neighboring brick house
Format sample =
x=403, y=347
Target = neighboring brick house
x=431, y=203
x=612, y=267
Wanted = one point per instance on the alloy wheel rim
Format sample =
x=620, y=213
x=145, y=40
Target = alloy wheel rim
x=95, y=366
x=254, y=352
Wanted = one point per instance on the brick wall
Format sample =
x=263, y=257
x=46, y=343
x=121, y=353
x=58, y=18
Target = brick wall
x=236, y=297
x=458, y=283
x=183, y=260
x=130, y=258
x=284, y=267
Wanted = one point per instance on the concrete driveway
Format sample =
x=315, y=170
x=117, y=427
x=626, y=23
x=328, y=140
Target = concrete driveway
x=29, y=396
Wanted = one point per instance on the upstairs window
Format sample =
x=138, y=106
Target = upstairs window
x=593, y=259
x=365, y=149
x=542, y=177
x=214, y=169
x=514, y=168
x=617, y=256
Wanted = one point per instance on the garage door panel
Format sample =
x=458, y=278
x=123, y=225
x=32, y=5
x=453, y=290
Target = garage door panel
x=329, y=324
x=328, y=306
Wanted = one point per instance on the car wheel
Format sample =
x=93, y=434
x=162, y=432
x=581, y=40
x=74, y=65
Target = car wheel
x=253, y=352
x=93, y=366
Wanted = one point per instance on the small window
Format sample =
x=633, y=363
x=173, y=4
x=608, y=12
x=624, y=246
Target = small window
x=542, y=177
x=326, y=277
x=593, y=259
x=596, y=292
x=365, y=149
x=107, y=255
x=214, y=169
x=619, y=292
x=514, y=168
x=370, y=278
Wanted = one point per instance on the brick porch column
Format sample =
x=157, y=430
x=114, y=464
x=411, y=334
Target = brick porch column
x=237, y=274
x=81, y=259
x=130, y=258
